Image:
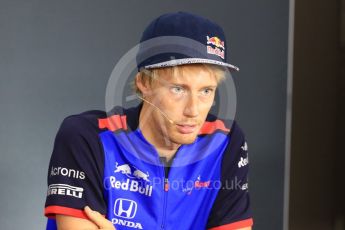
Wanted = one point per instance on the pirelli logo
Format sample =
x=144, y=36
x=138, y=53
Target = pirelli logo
x=65, y=190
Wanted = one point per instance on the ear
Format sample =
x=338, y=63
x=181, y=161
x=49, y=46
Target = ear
x=143, y=84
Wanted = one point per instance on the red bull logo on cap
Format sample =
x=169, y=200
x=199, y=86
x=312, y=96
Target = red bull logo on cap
x=215, y=41
x=218, y=48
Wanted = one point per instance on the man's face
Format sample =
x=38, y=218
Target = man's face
x=186, y=97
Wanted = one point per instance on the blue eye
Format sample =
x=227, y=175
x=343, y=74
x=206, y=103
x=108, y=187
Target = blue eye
x=206, y=92
x=177, y=90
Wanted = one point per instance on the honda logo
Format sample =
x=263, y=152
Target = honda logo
x=125, y=208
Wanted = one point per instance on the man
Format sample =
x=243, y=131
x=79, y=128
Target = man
x=165, y=164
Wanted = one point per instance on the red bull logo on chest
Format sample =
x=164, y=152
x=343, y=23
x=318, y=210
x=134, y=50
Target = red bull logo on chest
x=137, y=181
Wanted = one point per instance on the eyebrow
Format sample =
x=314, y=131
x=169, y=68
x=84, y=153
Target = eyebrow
x=186, y=86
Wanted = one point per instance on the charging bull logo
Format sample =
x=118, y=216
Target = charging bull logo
x=219, y=46
x=215, y=41
x=141, y=175
x=137, y=181
x=126, y=170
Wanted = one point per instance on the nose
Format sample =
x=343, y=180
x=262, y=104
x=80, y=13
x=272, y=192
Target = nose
x=192, y=108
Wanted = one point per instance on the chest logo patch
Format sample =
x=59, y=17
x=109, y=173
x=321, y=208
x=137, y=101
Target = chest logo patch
x=135, y=180
x=126, y=169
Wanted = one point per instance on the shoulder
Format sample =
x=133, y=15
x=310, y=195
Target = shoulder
x=236, y=133
x=79, y=134
x=236, y=150
x=87, y=122
x=93, y=122
x=89, y=118
x=214, y=123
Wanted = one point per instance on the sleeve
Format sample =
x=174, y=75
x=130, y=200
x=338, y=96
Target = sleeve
x=75, y=170
x=231, y=209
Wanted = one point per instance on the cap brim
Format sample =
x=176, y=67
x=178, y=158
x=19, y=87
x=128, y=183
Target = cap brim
x=185, y=61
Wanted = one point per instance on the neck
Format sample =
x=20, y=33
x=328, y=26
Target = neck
x=154, y=134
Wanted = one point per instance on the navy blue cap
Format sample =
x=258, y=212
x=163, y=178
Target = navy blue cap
x=182, y=38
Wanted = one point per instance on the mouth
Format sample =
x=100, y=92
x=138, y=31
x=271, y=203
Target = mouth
x=186, y=128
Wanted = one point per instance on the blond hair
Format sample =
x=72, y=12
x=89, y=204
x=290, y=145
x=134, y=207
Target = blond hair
x=152, y=74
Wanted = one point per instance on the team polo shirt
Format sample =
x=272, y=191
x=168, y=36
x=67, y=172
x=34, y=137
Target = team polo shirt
x=103, y=160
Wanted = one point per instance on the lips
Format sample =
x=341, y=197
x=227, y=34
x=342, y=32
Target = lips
x=186, y=128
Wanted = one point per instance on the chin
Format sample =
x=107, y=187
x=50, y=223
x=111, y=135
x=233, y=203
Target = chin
x=184, y=139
